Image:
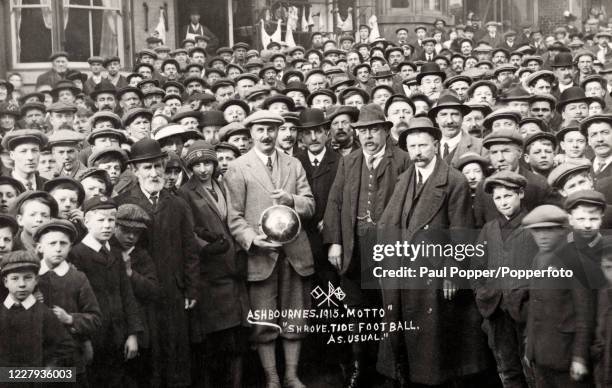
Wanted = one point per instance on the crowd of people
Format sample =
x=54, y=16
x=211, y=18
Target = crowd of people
x=130, y=205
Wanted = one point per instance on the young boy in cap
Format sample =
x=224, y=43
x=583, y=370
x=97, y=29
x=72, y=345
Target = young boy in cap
x=32, y=335
x=69, y=195
x=66, y=290
x=131, y=222
x=539, y=152
x=501, y=301
x=560, y=319
x=32, y=209
x=117, y=341
x=8, y=231
x=65, y=146
x=582, y=250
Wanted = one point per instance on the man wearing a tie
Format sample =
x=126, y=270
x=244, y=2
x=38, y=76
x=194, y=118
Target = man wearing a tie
x=448, y=113
x=24, y=147
x=363, y=185
x=278, y=274
x=429, y=49
x=430, y=203
x=598, y=130
x=172, y=245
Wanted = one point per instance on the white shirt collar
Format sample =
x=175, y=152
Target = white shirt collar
x=377, y=156
x=598, y=160
x=286, y=152
x=25, y=182
x=264, y=158
x=60, y=270
x=427, y=170
x=27, y=302
x=94, y=244
x=452, y=142
x=563, y=87
x=319, y=157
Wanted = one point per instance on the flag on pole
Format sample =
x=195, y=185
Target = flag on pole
x=161, y=25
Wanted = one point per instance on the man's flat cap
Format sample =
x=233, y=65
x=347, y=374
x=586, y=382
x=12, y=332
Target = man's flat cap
x=503, y=136
x=559, y=174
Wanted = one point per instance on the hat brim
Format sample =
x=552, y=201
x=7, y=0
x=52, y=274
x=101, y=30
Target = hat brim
x=361, y=124
x=131, y=224
x=561, y=104
x=145, y=158
x=308, y=126
x=547, y=224
x=420, y=76
x=464, y=109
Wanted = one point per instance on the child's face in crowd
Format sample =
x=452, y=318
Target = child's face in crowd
x=113, y=168
x=94, y=187
x=171, y=176
x=548, y=238
x=127, y=237
x=32, y=215
x=6, y=240
x=67, y=200
x=54, y=247
x=101, y=223
x=586, y=220
x=8, y=194
x=507, y=201
x=20, y=284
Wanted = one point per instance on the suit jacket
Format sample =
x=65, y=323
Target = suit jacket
x=468, y=143
x=50, y=77
x=248, y=184
x=537, y=192
x=341, y=211
x=607, y=172
x=495, y=41
x=604, y=186
x=561, y=318
x=320, y=180
x=222, y=275
x=601, y=351
x=440, y=213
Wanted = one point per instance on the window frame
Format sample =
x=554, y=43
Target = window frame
x=416, y=7
x=58, y=19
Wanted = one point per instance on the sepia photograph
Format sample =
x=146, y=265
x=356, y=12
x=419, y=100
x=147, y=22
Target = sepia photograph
x=306, y=193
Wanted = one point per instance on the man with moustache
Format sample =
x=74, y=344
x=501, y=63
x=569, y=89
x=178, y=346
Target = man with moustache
x=363, y=185
x=430, y=203
x=104, y=96
x=286, y=141
x=448, y=113
x=598, y=131
x=172, y=246
x=277, y=273
x=342, y=138
x=562, y=67
x=399, y=110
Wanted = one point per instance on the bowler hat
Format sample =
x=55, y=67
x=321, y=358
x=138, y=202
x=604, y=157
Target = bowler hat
x=213, y=118
x=146, y=149
x=448, y=101
x=570, y=95
x=371, y=114
x=104, y=86
x=430, y=68
x=312, y=118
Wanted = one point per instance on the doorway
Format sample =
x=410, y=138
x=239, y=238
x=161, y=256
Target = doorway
x=213, y=15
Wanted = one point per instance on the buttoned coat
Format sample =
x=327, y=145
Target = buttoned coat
x=223, y=301
x=448, y=342
x=468, y=143
x=172, y=246
x=341, y=211
x=248, y=184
